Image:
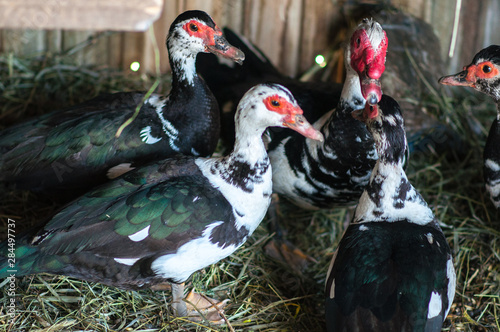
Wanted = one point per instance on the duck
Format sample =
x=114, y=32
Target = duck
x=162, y=222
x=393, y=268
x=483, y=75
x=74, y=149
x=334, y=172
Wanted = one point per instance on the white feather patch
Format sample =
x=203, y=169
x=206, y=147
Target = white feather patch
x=169, y=129
x=332, y=289
x=192, y=256
x=435, y=305
x=492, y=165
x=415, y=209
x=452, y=282
x=430, y=238
x=146, y=136
x=140, y=235
x=126, y=261
x=194, y=152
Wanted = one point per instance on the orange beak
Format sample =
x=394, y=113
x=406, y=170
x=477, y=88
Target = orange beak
x=303, y=127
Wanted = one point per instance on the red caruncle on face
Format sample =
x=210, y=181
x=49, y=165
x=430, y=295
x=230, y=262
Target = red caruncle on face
x=202, y=31
x=365, y=58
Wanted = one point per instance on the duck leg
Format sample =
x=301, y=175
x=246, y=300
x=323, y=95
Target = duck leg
x=178, y=304
x=281, y=249
x=197, y=307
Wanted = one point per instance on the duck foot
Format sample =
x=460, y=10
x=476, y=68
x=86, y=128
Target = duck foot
x=286, y=252
x=202, y=307
x=197, y=307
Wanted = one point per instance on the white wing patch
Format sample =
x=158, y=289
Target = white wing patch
x=435, y=305
x=140, y=235
x=430, y=238
x=126, y=261
x=146, y=136
x=191, y=256
x=452, y=283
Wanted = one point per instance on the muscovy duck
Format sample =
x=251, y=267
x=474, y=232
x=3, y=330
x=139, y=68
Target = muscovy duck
x=335, y=172
x=76, y=148
x=483, y=75
x=393, y=269
x=166, y=220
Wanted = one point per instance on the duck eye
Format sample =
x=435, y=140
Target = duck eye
x=358, y=42
x=486, y=69
x=275, y=103
x=193, y=27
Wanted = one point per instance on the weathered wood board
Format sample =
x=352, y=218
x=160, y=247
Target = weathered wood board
x=290, y=32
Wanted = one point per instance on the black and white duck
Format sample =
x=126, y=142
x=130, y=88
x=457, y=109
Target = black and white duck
x=393, y=269
x=334, y=172
x=76, y=148
x=164, y=221
x=483, y=75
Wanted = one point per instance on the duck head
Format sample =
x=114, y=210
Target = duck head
x=273, y=105
x=367, y=53
x=195, y=32
x=483, y=74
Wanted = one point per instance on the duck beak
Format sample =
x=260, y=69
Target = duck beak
x=303, y=127
x=222, y=47
x=371, y=89
x=369, y=112
x=459, y=79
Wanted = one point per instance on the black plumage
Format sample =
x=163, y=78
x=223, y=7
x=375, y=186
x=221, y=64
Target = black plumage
x=382, y=281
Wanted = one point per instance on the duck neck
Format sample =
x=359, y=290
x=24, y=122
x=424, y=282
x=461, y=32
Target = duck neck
x=249, y=150
x=351, y=97
x=248, y=140
x=247, y=167
x=389, y=196
x=340, y=129
x=182, y=63
x=244, y=177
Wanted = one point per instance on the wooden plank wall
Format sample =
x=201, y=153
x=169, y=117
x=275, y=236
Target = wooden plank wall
x=290, y=32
